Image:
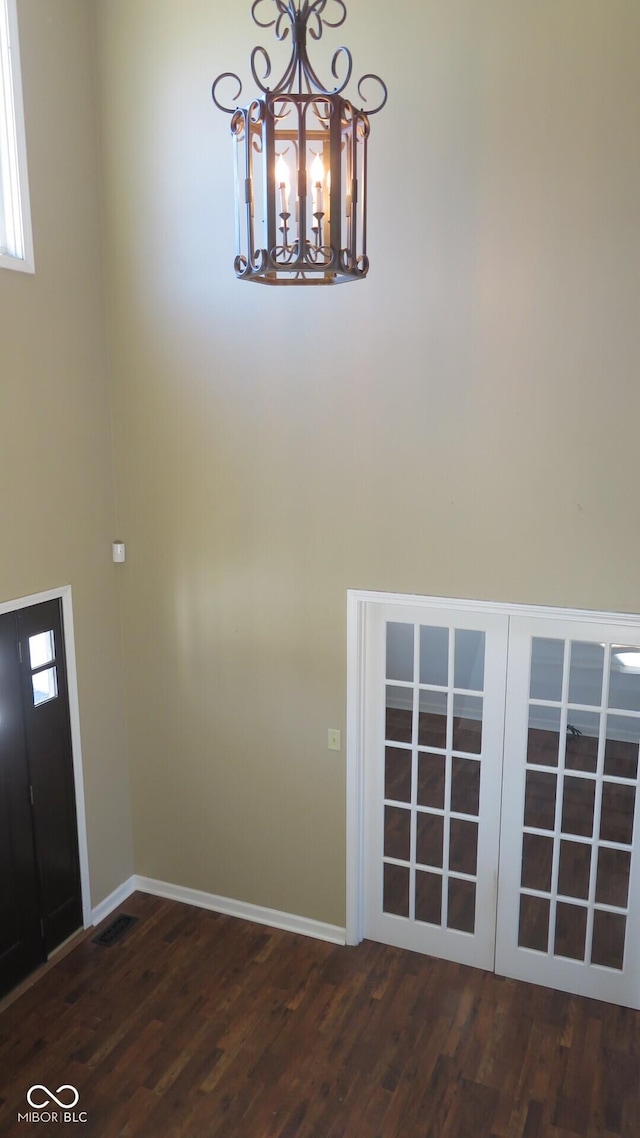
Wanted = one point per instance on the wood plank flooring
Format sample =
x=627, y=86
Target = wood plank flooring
x=197, y=1025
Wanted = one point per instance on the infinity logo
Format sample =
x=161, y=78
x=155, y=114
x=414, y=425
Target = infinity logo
x=60, y=1102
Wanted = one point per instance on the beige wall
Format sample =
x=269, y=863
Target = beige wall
x=463, y=423
x=56, y=475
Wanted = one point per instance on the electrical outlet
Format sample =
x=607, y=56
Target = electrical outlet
x=333, y=739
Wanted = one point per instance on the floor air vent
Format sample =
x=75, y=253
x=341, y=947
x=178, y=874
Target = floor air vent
x=115, y=930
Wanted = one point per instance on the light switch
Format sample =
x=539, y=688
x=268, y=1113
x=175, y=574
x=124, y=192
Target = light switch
x=333, y=742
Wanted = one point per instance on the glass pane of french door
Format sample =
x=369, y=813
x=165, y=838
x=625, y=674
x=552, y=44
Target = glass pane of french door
x=566, y=917
x=433, y=756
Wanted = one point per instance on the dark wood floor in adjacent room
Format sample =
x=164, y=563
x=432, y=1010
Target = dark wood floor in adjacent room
x=196, y=1025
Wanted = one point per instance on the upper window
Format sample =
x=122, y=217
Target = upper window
x=16, y=247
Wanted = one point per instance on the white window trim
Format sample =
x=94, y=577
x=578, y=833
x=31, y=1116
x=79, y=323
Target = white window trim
x=16, y=241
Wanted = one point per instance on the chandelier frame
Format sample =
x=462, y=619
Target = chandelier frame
x=300, y=158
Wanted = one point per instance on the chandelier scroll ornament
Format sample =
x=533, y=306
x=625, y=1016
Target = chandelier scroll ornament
x=300, y=156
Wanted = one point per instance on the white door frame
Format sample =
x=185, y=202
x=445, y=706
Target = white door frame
x=358, y=601
x=64, y=594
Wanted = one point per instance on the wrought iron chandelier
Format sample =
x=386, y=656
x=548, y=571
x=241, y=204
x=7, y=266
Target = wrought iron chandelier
x=300, y=159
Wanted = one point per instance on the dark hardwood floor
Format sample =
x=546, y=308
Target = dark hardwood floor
x=196, y=1025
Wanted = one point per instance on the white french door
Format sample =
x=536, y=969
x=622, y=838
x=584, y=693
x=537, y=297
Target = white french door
x=436, y=694
x=568, y=911
x=500, y=773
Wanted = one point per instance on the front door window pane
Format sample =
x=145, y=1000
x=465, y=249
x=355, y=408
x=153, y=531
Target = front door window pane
x=41, y=649
x=45, y=685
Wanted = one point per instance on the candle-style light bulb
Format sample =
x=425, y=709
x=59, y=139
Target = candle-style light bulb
x=284, y=184
x=317, y=178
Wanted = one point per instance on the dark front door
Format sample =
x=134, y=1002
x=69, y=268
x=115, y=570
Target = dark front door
x=21, y=942
x=40, y=893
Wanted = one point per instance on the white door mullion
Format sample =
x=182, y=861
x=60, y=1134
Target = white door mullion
x=448, y=782
x=557, y=830
x=597, y=807
x=414, y=771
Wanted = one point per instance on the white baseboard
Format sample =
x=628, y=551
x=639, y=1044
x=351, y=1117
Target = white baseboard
x=113, y=900
x=247, y=912
x=290, y=922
